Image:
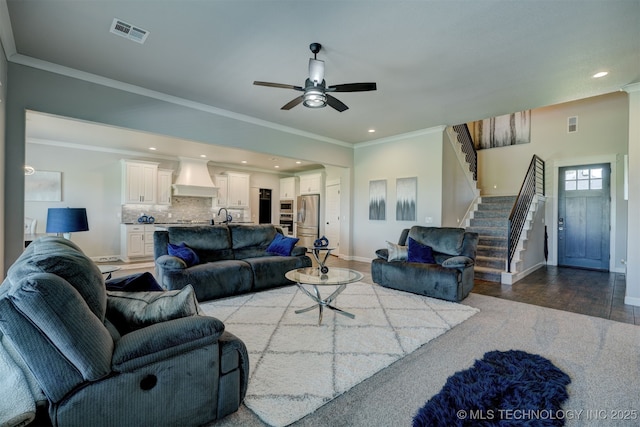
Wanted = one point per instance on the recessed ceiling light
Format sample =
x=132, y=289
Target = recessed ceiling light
x=371, y=130
x=203, y=155
x=298, y=162
x=152, y=148
x=243, y=162
x=276, y=166
x=600, y=74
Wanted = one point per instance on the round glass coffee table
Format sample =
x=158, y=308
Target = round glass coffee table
x=313, y=277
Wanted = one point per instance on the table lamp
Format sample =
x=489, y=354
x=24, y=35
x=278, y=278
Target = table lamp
x=64, y=221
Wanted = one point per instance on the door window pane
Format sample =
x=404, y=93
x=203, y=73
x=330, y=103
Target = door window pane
x=583, y=184
x=583, y=179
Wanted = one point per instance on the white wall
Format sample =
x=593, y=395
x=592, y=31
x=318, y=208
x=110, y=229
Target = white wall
x=457, y=192
x=603, y=126
x=419, y=155
x=633, y=237
x=92, y=179
x=3, y=98
x=344, y=176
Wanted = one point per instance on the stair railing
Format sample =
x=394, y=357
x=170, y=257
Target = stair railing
x=469, y=150
x=533, y=184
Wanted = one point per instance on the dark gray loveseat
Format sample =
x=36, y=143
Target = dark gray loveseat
x=233, y=260
x=449, y=278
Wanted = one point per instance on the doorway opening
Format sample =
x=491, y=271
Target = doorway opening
x=264, y=206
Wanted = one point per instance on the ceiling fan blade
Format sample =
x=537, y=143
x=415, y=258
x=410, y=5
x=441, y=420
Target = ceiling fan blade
x=336, y=103
x=316, y=70
x=289, y=105
x=352, y=87
x=280, y=85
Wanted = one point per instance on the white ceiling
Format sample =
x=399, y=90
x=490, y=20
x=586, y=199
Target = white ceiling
x=435, y=62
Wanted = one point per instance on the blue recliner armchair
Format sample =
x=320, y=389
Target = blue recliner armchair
x=114, y=358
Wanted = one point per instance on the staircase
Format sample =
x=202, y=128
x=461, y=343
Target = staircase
x=490, y=222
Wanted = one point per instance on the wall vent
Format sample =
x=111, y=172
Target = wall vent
x=126, y=30
x=572, y=124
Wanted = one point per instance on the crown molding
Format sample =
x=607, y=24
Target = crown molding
x=632, y=87
x=396, y=138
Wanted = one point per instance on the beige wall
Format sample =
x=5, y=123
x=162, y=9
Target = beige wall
x=602, y=130
x=418, y=155
x=603, y=126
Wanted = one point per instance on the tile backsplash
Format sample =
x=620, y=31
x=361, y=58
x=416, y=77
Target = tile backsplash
x=182, y=209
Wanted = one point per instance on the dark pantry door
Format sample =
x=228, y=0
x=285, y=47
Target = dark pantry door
x=584, y=216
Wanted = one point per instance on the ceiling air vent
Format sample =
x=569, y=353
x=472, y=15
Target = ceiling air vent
x=128, y=31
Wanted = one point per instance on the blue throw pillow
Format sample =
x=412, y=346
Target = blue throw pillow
x=420, y=253
x=134, y=283
x=185, y=253
x=282, y=245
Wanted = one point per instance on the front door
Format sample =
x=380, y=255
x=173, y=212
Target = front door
x=584, y=216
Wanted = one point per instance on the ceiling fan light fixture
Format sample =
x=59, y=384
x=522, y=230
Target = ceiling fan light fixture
x=314, y=99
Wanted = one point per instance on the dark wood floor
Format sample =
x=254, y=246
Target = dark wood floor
x=593, y=293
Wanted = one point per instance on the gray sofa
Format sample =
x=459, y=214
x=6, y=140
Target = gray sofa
x=233, y=259
x=449, y=278
x=160, y=363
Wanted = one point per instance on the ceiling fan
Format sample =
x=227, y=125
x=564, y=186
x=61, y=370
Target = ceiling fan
x=315, y=89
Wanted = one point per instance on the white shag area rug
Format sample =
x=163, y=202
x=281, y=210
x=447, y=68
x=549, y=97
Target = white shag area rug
x=297, y=366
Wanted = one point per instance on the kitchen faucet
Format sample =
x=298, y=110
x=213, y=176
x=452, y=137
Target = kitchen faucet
x=227, y=217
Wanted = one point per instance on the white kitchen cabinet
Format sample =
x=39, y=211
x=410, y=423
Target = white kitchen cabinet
x=222, y=182
x=139, y=182
x=288, y=188
x=165, y=179
x=310, y=183
x=238, y=196
x=136, y=241
x=233, y=190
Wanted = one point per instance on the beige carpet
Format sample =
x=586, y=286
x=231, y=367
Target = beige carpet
x=601, y=356
x=298, y=366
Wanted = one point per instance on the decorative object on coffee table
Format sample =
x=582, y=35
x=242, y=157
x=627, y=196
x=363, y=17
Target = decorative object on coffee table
x=322, y=261
x=314, y=277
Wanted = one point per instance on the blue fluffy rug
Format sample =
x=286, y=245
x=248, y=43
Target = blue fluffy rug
x=510, y=388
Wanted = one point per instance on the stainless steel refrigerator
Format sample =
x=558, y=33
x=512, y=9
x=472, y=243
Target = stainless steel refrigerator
x=308, y=219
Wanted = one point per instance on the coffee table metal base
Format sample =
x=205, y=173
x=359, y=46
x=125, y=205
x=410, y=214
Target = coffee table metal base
x=322, y=303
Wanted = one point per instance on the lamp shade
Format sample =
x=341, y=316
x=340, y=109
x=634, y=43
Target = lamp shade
x=67, y=220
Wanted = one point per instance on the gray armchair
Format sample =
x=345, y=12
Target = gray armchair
x=448, y=275
x=159, y=363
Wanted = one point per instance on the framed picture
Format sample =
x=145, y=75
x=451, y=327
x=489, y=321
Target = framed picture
x=502, y=131
x=378, y=199
x=43, y=186
x=406, y=193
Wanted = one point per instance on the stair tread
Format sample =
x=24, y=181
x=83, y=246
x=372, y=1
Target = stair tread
x=491, y=221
